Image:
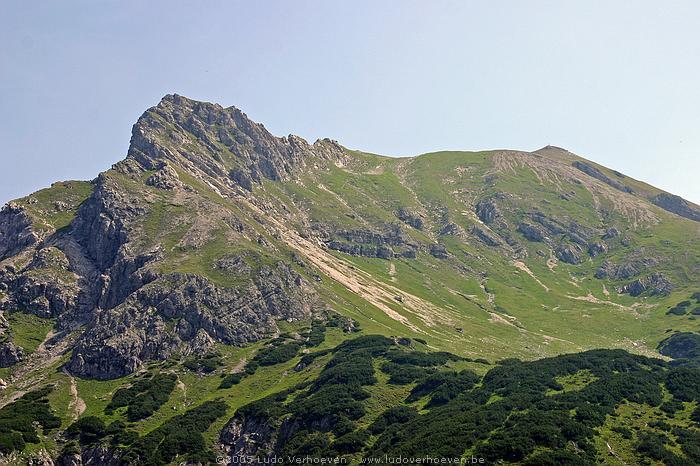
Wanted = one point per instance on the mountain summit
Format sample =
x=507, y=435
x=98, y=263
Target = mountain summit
x=212, y=233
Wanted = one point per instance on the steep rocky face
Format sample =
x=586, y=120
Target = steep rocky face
x=15, y=230
x=122, y=338
x=45, y=287
x=221, y=143
x=249, y=436
x=10, y=354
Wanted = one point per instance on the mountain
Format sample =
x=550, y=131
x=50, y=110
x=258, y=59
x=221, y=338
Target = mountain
x=217, y=275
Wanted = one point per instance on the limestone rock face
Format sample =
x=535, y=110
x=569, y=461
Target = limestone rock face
x=599, y=175
x=569, y=253
x=121, y=339
x=226, y=144
x=16, y=230
x=10, y=354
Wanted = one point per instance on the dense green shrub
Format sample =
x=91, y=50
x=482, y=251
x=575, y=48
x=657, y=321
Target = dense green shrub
x=231, y=379
x=392, y=416
x=178, y=436
x=88, y=430
x=207, y=363
x=443, y=386
x=144, y=397
x=402, y=374
x=351, y=442
x=684, y=383
x=519, y=413
x=416, y=358
x=18, y=420
x=316, y=335
x=277, y=354
x=679, y=309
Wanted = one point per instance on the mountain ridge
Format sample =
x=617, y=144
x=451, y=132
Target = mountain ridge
x=214, y=236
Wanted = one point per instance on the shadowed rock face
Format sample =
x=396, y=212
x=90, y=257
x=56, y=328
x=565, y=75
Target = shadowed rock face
x=10, y=354
x=15, y=230
x=677, y=205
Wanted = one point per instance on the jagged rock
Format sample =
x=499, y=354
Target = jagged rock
x=202, y=343
x=123, y=338
x=15, y=230
x=220, y=132
x=569, y=253
x=10, y=354
x=552, y=226
x=655, y=284
x=410, y=217
x=407, y=254
x=242, y=178
x=626, y=270
x=249, y=436
x=92, y=455
x=597, y=248
x=166, y=178
x=532, y=232
x=600, y=176
x=439, y=251
x=677, y=205
x=235, y=264
x=579, y=234
x=485, y=236
x=611, y=233
x=451, y=229
x=487, y=211
x=46, y=287
x=385, y=245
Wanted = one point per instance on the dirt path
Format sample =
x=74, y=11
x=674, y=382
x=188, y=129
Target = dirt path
x=392, y=271
x=490, y=297
x=239, y=367
x=77, y=404
x=521, y=266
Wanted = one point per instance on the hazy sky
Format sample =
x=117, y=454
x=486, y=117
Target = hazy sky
x=617, y=82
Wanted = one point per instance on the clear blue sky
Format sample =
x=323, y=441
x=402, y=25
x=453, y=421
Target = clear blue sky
x=615, y=81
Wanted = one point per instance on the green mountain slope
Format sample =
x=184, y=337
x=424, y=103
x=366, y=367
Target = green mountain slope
x=216, y=252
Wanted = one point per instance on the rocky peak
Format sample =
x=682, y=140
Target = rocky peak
x=222, y=143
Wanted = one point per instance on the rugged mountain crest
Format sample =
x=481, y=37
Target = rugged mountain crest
x=212, y=230
x=210, y=282
x=222, y=144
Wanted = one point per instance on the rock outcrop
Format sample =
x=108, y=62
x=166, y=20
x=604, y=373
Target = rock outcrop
x=677, y=205
x=16, y=231
x=654, y=285
x=121, y=339
x=600, y=176
x=10, y=354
